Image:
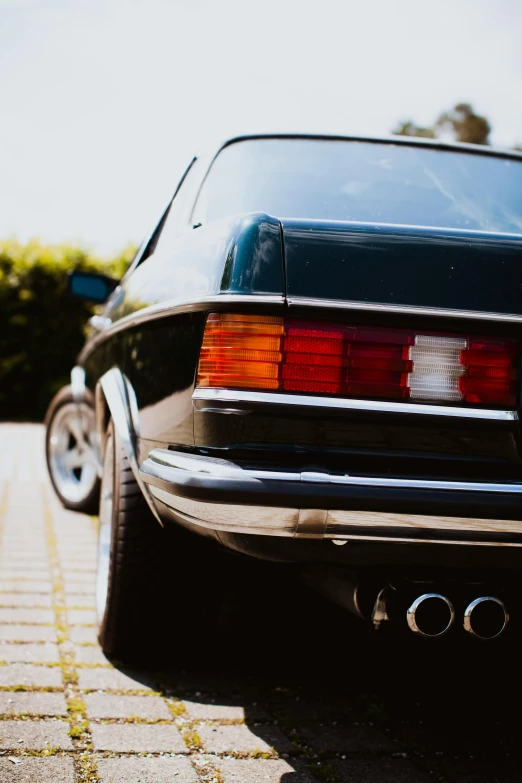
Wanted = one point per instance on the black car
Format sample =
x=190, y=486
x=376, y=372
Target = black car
x=313, y=359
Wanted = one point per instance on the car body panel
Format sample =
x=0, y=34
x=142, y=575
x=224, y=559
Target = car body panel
x=378, y=275
x=237, y=255
x=404, y=265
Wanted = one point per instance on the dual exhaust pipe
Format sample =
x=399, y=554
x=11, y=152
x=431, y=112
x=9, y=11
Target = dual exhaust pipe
x=432, y=615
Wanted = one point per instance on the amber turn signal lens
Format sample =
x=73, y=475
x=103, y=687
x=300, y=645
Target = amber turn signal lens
x=241, y=351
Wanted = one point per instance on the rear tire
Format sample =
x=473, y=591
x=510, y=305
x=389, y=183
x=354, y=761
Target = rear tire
x=142, y=568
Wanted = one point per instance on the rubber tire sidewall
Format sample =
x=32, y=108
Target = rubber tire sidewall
x=130, y=627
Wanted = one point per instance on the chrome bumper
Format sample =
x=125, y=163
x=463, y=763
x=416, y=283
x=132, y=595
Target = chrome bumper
x=220, y=495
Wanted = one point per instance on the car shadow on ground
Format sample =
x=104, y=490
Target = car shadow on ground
x=332, y=696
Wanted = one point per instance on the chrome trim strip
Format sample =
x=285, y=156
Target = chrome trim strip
x=339, y=520
x=220, y=468
x=343, y=403
x=100, y=322
x=228, y=517
x=381, y=481
x=210, y=466
x=334, y=525
x=344, y=304
x=174, y=307
x=78, y=383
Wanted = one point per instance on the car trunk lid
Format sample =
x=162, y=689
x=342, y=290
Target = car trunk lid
x=404, y=266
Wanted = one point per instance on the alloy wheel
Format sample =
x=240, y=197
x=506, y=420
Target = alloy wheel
x=72, y=452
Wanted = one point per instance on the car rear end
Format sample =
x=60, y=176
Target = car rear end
x=377, y=407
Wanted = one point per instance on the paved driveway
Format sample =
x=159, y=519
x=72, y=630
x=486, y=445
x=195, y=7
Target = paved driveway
x=323, y=699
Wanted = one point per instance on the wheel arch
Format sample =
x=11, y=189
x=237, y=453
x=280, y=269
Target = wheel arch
x=115, y=399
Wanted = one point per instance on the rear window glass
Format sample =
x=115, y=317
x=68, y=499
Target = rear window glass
x=364, y=182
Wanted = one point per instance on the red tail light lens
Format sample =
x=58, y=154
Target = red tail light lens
x=272, y=353
x=490, y=373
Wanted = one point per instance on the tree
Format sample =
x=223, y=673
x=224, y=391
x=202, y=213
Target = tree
x=42, y=328
x=408, y=128
x=461, y=123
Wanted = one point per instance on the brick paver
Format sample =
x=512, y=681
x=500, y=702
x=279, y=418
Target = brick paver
x=29, y=653
x=28, y=633
x=225, y=712
x=81, y=617
x=263, y=771
x=37, y=770
x=109, y=680
x=27, y=675
x=102, y=705
x=154, y=770
x=137, y=738
x=14, y=703
x=30, y=600
x=334, y=707
x=34, y=735
x=79, y=600
x=83, y=635
x=242, y=739
x=90, y=655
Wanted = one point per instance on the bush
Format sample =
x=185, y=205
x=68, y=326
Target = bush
x=42, y=328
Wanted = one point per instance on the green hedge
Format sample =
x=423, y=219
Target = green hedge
x=41, y=327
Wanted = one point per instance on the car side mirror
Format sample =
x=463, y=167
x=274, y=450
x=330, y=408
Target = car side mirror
x=91, y=286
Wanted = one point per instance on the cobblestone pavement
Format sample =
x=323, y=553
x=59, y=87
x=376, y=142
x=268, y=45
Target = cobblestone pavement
x=329, y=702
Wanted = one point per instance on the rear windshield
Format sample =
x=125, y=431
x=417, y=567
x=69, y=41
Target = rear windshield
x=364, y=182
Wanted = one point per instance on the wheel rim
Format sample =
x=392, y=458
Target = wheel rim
x=105, y=530
x=72, y=456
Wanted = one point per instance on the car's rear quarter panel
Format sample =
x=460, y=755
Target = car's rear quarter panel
x=159, y=315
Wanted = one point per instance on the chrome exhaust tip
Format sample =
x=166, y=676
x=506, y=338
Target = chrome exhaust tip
x=486, y=617
x=431, y=615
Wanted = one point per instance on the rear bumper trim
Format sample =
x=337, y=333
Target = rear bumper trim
x=344, y=403
x=221, y=495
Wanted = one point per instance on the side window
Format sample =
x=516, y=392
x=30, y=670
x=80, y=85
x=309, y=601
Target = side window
x=214, y=188
x=232, y=183
x=149, y=245
x=175, y=220
x=172, y=216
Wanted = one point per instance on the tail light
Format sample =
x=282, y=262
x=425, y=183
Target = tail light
x=283, y=354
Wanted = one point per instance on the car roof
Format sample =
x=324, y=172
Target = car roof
x=454, y=146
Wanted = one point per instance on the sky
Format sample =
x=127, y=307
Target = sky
x=104, y=102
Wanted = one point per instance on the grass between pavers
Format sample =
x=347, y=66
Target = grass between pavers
x=58, y=665
x=119, y=692
x=22, y=688
x=42, y=753
x=24, y=641
x=24, y=622
x=23, y=592
x=30, y=606
x=85, y=763
x=29, y=716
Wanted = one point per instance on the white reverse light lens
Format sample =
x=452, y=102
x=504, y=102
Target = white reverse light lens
x=436, y=368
